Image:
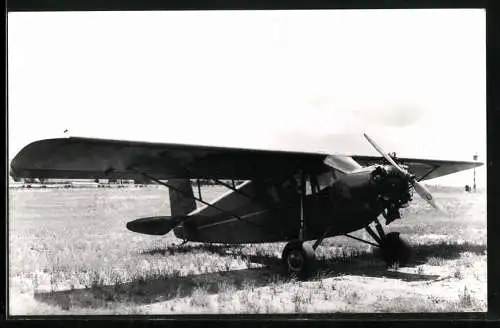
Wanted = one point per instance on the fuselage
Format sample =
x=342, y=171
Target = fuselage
x=257, y=213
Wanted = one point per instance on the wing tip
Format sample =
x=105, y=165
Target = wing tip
x=13, y=174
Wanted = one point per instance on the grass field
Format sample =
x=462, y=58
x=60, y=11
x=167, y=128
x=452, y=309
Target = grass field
x=70, y=253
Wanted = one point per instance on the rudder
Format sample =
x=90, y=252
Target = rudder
x=181, y=202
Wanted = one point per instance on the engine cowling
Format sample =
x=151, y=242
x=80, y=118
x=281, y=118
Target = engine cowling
x=394, y=191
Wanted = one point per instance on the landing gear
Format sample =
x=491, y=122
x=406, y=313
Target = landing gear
x=394, y=250
x=299, y=259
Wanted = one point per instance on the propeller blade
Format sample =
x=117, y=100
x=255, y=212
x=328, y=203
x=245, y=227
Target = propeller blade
x=423, y=192
x=344, y=164
x=419, y=188
x=386, y=156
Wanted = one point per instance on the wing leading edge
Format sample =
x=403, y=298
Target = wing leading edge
x=84, y=158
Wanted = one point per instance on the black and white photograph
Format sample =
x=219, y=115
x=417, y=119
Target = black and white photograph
x=247, y=162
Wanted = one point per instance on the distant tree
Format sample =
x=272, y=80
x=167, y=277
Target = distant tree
x=142, y=180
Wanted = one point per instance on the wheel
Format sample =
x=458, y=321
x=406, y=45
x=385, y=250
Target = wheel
x=299, y=259
x=394, y=250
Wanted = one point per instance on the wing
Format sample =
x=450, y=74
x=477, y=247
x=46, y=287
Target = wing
x=424, y=169
x=83, y=158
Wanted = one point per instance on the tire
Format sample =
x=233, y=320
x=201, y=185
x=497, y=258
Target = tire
x=395, y=251
x=299, y=260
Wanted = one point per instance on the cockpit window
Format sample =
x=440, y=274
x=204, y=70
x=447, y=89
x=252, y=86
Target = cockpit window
x=322, y=181
x=292, y=185
x=327, y=179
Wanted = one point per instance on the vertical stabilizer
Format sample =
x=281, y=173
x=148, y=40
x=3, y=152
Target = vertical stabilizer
x=181, y=203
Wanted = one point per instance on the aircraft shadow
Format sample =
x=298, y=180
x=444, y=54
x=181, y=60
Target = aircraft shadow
x=443, y=250
x=162, y=288
x=189, y=248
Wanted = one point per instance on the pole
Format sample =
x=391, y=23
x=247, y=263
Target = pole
x=474, y=179
x=475, y=158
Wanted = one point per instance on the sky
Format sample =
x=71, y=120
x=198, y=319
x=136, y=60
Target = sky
x=414, y=80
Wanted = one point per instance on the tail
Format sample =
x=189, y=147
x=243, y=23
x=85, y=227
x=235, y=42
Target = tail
x=181, y=202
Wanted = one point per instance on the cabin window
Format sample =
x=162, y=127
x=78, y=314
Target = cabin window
x=308, y=187
x=272, y=191
x=291, y=186
x=326, y=179
x=285, y=190
x=296, y=183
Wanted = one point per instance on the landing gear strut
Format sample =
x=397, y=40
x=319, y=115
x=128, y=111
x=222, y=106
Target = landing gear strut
x=393, y=249
x=299, y=259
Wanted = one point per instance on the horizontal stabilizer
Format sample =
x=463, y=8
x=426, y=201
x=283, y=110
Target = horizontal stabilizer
x=156, y=225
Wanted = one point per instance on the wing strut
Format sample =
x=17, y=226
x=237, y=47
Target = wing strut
x=430, y=171
x=199, y=188
x=203, y=202
x=361, y=240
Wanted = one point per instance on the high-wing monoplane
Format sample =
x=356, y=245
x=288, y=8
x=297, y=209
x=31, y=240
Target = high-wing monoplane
x=286, y=196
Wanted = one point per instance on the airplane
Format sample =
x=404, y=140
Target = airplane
x=285, y=196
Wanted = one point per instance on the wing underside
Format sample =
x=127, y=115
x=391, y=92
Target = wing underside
x=80, y=158
x=84, y=158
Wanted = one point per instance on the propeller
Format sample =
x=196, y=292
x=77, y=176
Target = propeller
x=421, y=190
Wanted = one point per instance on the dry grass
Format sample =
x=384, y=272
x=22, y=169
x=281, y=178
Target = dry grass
x=69, y=253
